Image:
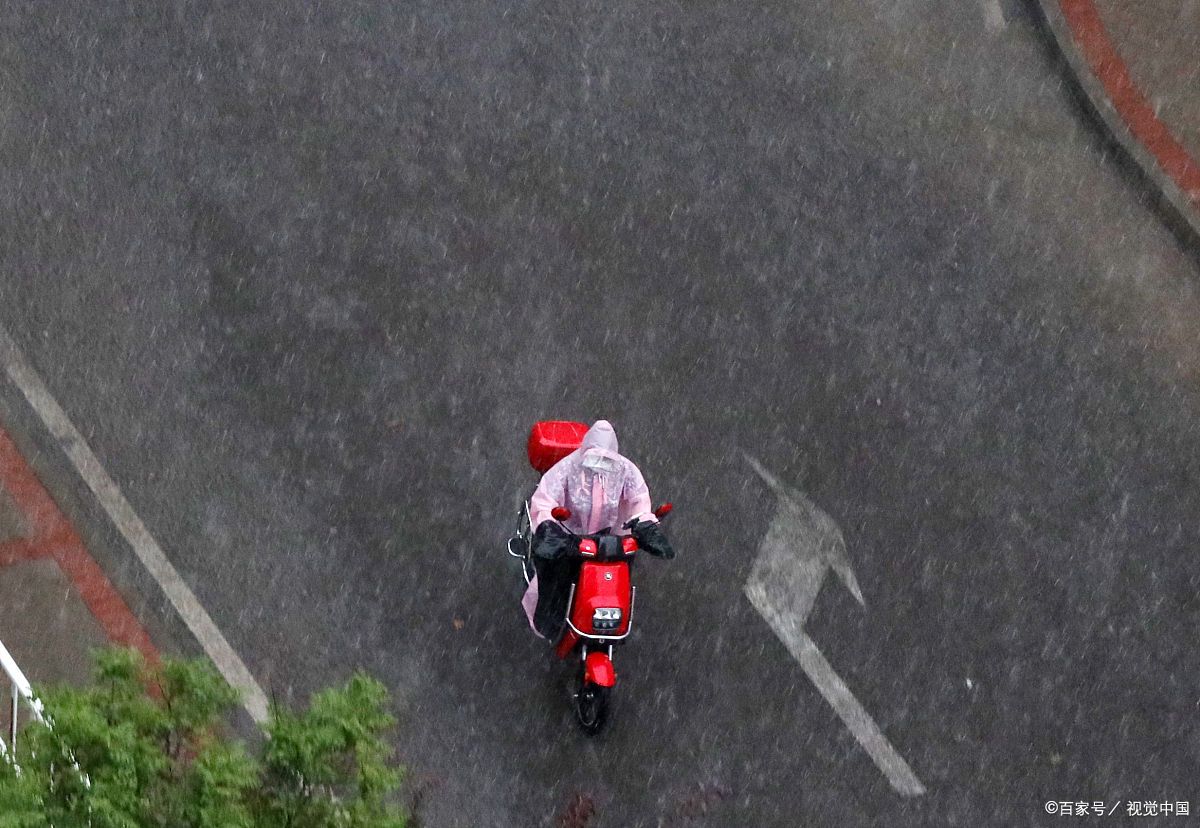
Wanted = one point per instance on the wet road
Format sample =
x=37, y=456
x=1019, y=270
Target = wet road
x=304, y=276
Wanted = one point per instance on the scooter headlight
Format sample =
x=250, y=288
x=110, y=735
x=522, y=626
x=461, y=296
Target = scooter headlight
x=606, y=619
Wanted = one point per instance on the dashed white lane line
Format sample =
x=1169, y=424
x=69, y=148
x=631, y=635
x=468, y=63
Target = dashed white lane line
x=118, y=509
x=801, y=545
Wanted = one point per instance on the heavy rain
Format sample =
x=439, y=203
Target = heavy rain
x=885, y=297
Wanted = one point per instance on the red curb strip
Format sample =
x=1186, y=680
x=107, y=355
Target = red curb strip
x=54, y=537
x=1106, y=64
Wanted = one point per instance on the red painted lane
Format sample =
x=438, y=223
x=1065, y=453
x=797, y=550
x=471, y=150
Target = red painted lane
x=1108, y=67
x=52, y=536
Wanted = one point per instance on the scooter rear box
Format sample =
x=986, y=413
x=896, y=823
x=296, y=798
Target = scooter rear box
x=552, y=440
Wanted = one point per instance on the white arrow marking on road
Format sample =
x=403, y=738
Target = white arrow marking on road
x=801, y=545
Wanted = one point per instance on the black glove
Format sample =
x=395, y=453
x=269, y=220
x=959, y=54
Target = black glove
x=551, y=541
x=650, y=536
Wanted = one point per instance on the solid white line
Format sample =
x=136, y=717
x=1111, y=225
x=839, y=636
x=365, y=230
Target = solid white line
x=835, y=691
x=131, y=527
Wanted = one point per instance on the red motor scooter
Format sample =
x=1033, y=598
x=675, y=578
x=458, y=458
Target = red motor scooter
x=601, y=603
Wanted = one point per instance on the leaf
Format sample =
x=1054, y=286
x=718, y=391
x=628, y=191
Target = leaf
x=148, y=747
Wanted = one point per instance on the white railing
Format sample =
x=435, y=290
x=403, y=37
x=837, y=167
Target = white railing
x=20, y=695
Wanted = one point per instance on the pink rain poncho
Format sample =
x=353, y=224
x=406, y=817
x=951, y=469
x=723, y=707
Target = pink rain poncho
x=600, y=487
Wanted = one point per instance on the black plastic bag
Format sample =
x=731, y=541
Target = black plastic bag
x=556, y=561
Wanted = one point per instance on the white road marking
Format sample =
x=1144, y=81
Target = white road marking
x=227, y=661
x=993, y=15
x=801, y=545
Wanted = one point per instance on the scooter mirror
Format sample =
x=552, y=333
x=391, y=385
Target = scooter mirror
x=560, y=513
x=663, y=510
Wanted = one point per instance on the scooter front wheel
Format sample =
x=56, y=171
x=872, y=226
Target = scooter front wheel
x=591, y=706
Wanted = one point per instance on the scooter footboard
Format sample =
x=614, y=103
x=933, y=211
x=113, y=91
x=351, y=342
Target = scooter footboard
x=598, y=669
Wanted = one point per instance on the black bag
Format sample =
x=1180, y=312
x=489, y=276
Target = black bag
x=556, y=560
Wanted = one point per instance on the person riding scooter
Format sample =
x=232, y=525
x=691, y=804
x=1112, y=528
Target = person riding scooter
x=603, y=490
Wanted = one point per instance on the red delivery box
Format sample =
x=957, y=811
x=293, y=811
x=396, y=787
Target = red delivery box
x=552, y=440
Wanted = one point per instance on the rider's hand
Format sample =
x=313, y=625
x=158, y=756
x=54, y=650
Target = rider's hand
x=650, y=537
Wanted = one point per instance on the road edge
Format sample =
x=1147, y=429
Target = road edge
x=1089, y=73
x=121, y=513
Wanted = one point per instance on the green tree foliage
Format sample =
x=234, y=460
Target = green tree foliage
x=148, y=747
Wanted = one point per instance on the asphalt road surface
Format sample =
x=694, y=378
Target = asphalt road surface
x=305, y=273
